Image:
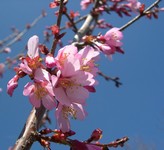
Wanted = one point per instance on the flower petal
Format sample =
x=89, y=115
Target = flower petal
x=48, y=102
x=28, y=88
x=34, y=101
x=61, y=96
x=32, y=44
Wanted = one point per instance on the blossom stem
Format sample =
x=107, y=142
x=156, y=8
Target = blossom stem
x=140, y=15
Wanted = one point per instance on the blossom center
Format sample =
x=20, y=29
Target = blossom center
x=66, y=83
x=86, y=68
x=40, y=91
x=114, y=36
x=69, y=111
x=34, y=63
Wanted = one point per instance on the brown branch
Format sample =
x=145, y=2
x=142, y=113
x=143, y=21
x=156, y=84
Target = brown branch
x=72, y=22
x=27, y=136
x=140, y=15
x=55, y=41
x=86, y=25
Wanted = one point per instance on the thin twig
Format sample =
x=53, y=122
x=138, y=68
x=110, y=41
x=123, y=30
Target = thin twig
x=2, y=42
x=139, y=16
x=115, y=79
x=72, y=22
x=55, y=41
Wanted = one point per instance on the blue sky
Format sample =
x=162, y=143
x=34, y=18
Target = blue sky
x=136, y=109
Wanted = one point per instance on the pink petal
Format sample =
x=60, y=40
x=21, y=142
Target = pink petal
x=32, y=44
x=41, y=75
x=28, y=88
x=50, y=89
x=24, y=66
x=61, y=96
x=54, y=80
x=63, y=123
x=34, y=101
x=48, y=102
x=71, y=65
x=77, y=94
x=80, y=111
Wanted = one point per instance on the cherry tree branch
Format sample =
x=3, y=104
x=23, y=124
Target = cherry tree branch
x=140, y=15
x=86, y=25
x=55, y=41
x=27, y=136
x=115, y=79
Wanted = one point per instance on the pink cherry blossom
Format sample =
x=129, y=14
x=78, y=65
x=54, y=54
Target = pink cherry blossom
x=41, y=90
x=74, y=81
x=64, y=113
x=110, y=42
x=30, y=63
x=63, y=53
x=113, y=37
x=72, y=88
x=12, y=85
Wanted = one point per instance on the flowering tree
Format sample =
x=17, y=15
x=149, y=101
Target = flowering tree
x=61, y=79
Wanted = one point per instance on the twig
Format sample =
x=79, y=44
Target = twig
x=140, y=15
x=72, y=22
x=55, y=41
x=115, y=79
x=116, y=143
x=8, y=38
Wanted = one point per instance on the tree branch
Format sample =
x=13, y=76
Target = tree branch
x=26, y=138
x=139, y=16
x=86, y=25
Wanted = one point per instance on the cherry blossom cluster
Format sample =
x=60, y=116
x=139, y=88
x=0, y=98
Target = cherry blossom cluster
x=63, y=82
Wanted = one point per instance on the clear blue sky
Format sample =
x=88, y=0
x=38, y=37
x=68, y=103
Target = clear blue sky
x=136, y=109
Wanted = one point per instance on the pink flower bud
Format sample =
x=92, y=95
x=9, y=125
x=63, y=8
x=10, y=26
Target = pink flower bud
x=96, y=134
x=50, y=61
